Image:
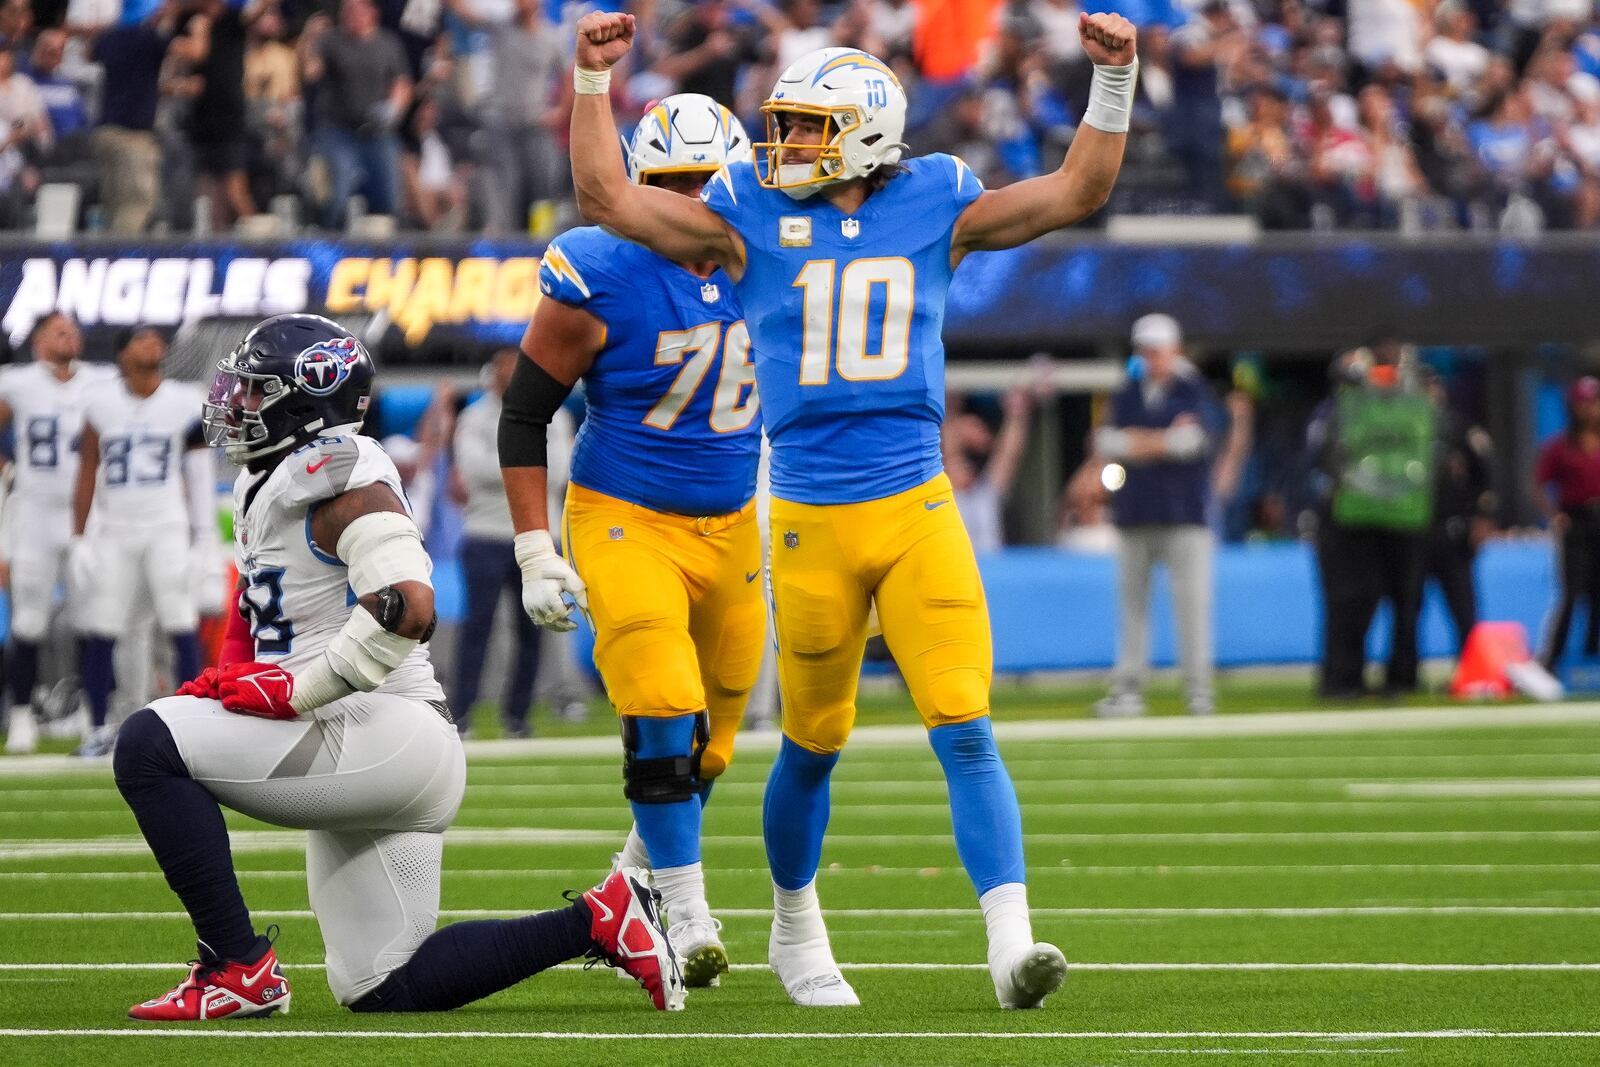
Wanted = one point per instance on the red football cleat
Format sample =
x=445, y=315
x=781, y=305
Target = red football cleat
x=628, y=934
x=217, y=989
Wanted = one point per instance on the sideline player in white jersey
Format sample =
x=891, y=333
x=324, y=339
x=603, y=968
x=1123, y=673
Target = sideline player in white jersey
x=132, y=519
x=43, y=402
x=323, y=714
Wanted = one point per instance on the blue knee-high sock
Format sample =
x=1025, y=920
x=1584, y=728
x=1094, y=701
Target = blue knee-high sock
x=671, y=831
x=794, y=814
x=22, y=670
x=186, y=653
x=182, y=823
x=983, y=804
x=99, y=677
x=464, y=962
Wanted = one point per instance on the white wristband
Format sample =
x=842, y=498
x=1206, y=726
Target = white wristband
x=1110, y=97
x=591, y=82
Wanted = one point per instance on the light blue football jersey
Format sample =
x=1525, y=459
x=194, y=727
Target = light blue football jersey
x=845, y=312
x=673, y=419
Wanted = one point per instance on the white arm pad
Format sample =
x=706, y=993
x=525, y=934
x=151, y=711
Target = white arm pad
x=357, y=660
x=381, y=548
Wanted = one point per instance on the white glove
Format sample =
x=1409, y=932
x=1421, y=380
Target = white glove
x=81, y=565
x=545, y=576
x=208, y=579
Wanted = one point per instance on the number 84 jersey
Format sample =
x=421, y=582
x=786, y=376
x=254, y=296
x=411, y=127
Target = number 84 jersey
x=297, y=593
x=672, y=422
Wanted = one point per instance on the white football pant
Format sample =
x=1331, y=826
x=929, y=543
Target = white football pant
x=376, y=783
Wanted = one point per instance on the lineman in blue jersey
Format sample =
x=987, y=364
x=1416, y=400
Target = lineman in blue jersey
x=843, y=253
x=659, y=520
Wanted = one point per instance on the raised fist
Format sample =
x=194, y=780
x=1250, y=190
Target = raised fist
x=1108, y=39
x=603, y=38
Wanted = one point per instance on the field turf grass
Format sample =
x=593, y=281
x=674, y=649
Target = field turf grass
x=1404, y=887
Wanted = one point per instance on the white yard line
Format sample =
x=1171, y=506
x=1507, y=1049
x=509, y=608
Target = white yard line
x=1266, y=724
x=1379, y=910
x=285, y=840
x=836, y=871
x=1353, y=966
x=1500, y=788
x=863, y=1035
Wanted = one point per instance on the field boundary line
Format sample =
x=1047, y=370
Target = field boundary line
x=1156, y=966
x=1053, y=1035
x=1264, y=724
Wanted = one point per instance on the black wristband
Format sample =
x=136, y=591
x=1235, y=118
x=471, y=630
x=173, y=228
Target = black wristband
x=531, y=400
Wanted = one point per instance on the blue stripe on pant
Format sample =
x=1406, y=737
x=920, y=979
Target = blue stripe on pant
x=489, y=569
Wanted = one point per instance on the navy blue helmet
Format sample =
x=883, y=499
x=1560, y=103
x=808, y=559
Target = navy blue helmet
x=292, y=378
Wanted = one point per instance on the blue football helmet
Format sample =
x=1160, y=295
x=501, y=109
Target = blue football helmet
x=292, y=378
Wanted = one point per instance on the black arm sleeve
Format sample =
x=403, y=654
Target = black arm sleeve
x=531, y=400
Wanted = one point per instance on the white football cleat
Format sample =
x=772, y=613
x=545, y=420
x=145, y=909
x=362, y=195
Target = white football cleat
x=1024, y=980
x=808, y=973
x=22, y=731
x=697, y=941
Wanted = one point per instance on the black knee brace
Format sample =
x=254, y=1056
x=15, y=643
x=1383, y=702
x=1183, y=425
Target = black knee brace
x=145, y=749
x=663, y=779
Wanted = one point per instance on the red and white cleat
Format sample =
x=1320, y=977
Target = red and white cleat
x=217, y=989
x=628, y=933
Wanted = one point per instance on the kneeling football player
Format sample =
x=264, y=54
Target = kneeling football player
x=324, y=715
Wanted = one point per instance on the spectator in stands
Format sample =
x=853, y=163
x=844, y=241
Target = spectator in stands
x=1372, y=443
x=1515, y=152
x=1397, y=180
x=1194, y=134
x=1267, y=165
x=1581, y=144
x=24, y=137
x=488, y=564
x=1454, y=51
x=273, y=102
x=707, y=45
x=126, y=151
x=62, y=97
x=1157, y=436
x=212, y=41
x=1567, y=478
x=16, y=24
x=363, y=88
x=983, y=466
x=523, y=119
x=1342, y=170
x=1463, y=508
x=435, y=194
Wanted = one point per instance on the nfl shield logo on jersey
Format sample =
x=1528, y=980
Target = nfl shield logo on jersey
x=615, y=532
x=791, y=539
x=709, y=293
x=325, y=366
x=851, y=228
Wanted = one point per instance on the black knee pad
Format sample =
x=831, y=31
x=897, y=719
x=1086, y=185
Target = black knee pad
x=663, y=779
x=144, y=748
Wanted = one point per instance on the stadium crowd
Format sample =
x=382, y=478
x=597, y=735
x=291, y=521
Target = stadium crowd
x=451, y=116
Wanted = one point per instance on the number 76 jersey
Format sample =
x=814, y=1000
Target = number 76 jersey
x=845, y=314
x=672, y=422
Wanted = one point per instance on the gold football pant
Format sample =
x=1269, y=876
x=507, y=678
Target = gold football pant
x=677, y=607
x=908, y=553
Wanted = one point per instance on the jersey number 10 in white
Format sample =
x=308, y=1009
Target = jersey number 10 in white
x=818, y=349
x=695, y=349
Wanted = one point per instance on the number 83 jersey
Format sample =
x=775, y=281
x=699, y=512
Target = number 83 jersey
x=142, y=442
x=672, y=422
x=845, y=314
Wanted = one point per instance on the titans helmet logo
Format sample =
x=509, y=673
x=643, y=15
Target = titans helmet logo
x=325, y=366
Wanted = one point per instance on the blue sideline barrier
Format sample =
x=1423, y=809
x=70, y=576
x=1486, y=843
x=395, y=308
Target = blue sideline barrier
x=1057, y=611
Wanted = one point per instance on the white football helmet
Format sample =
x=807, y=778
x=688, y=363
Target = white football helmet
x=863, y=112
x=682, y=134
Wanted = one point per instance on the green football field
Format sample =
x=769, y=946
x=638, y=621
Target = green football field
x=1406, y=887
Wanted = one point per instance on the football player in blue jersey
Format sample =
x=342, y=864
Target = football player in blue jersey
x=842, y=248
x=661, y=541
